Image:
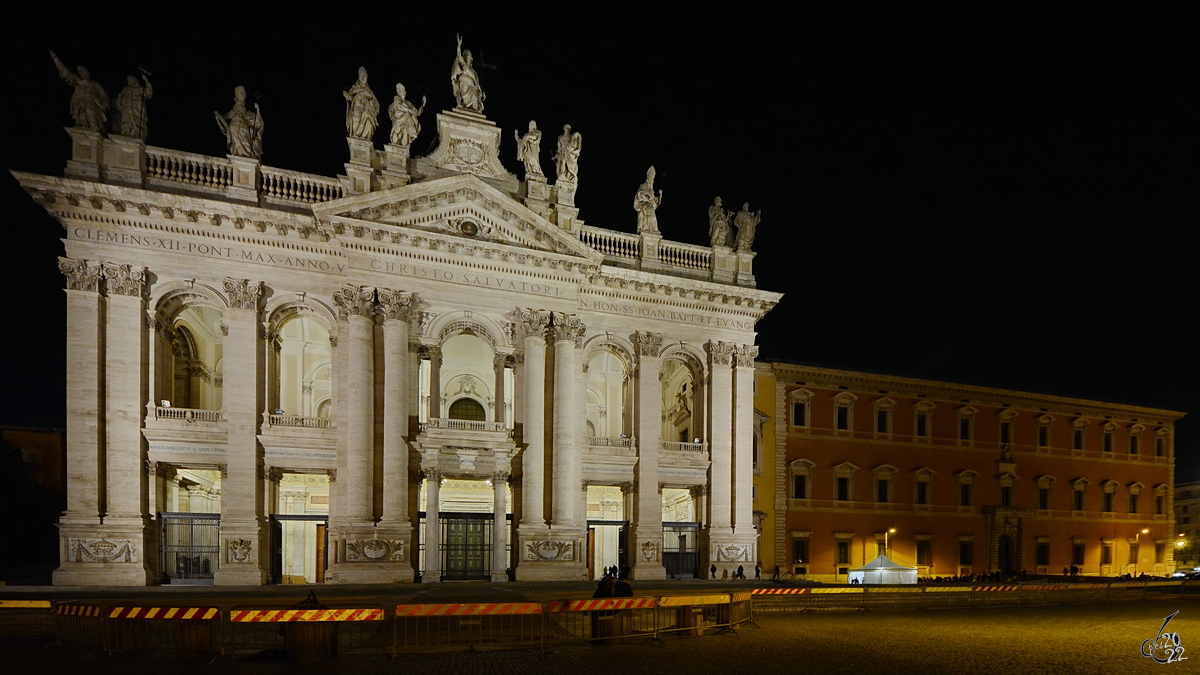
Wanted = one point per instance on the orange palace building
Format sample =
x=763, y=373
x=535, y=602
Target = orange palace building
x=956, y=479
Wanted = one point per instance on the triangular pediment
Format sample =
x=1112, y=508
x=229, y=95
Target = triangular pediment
x=463, y=207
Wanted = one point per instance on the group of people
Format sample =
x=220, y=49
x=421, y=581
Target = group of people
x=740, y=573
x=614, y=584
x=990, y=577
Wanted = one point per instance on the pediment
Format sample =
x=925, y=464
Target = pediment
x=463, y=207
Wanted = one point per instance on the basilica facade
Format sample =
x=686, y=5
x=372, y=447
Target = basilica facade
x=425, y=368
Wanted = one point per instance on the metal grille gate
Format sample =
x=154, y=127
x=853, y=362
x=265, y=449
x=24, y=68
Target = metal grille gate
x=681, y=550
x=466, y=544
x=189, y=546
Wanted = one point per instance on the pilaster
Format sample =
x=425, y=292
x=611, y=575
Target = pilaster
x=645, y=540
x=396, y=524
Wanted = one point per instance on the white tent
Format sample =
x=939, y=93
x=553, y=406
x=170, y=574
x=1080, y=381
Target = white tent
x=883, y=570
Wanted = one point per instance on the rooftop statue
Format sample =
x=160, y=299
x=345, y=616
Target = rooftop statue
x=746, y=222
x=467, y=92
x=566, y=159
x=529, y=147
x=405, y=125
x=89, y=102
x=362, y=109
x=719, y=231
x=646, y=203
x=131, y=103
x=243, y=130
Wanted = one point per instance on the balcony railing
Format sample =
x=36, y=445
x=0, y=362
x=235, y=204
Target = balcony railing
x=463, y=425
x=188, y=167
x=295, y=186
x=605, y=442
x=296, y=421
x=611, y=243
x=675, y=446
x=187, y=414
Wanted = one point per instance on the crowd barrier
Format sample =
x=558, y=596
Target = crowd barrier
x=602, y=620
x=468, y=626
x=308, y=633
x=190, y=630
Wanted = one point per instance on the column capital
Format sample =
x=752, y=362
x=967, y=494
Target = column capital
x=80, y=275
x=500, y=361
x=646, y=343
x=719, y=353
x=745, y=355
x=533, y=322
x=354, y=301
x=567, y=328
x=331, y=474
x=499, y=477
x=433, y=474
x=243, y=293
x=396, y=305
x=124, y=279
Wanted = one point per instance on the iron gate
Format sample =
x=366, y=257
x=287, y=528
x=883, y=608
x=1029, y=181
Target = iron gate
x=681, y=550
x=189, y=546
x=466, y=544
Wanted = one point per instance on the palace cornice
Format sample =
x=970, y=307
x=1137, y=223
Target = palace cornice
x=638, y=286
x=953, y=393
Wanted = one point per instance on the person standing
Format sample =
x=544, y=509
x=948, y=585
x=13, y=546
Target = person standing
x=713, y=570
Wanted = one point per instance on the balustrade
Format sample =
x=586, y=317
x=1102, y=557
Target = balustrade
x=294, y=186
x=688, y=256
x=610, y=243
x=187, y=414
x=606, y=442
x=186, y=167
x=676, y=446
x=296, y=421
x=464, y=425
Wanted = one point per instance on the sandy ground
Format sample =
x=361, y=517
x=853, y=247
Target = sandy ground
x=1058, y=639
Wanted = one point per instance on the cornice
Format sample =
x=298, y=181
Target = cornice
x=954, y=393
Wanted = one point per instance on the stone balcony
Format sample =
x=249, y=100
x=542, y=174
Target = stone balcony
x=298, y=442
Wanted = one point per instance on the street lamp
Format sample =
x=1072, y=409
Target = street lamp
x=885, y=539
x=1138, y=544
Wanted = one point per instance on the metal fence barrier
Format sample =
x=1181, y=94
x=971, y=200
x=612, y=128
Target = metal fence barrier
x=77, y=624
x=308, y=634
x=741, y=608
x=192, y=630
x=469, y=626
x=692, y=615
x=602, y=621
x=26, y=617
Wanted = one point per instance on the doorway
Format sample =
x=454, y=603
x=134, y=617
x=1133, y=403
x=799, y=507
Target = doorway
x=299, y=549
x=1004, y=557
x=681, y=550
x=466, y=545
x=189, y=547
x=607, y=546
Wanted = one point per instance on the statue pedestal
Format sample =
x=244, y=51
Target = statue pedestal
x=650, y=244
x=468, y=143
x=537, y=195
x=564, y=192
x=244, y=187
x=564, y=205
x=395, y=166
x=745, y=268
x=361, y=169
x=724, y=264
x=85, y=154
x=124, y=160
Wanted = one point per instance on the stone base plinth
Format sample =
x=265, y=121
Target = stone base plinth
x=645, y=554
x=370, y=573
x=110, y=554
x=85, y=154
x=529, y=570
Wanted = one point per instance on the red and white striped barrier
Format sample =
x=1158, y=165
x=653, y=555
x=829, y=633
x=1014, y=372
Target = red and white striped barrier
x=291, y=615
x=476, y=609
x=601, y=603
x=180, y=613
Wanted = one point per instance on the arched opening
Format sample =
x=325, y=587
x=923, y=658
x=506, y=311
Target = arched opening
x=189, y=517
x=190, y=374
x=466, y=376
x=467, y=409
x=679, y=399
x=303, y=369
x=606, y=384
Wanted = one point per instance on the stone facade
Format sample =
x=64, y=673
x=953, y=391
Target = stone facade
x=412, y=323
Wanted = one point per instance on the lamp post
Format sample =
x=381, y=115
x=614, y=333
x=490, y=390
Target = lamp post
x=885, y=539
x=1137, y=542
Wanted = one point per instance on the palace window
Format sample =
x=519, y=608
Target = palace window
x=924, y=552
x=843, y=489
x=1109, y=431
x=1042, y=553
x=1106, y=557
x=1044, y=483
x=883, y=483
x=1077, y=430
x=1080, y=489
x=1135, y=434
x=1135, y=489
x=923, y=492
x=1160, y=552
x=1077, y=550
x=923, y=419
x=1160, y=499
x=966, y=480
x=843, y=481
x=843, y=552
x=1108, y=502
x=1160, y=443
x=800, y=549
x=883, y=415
x=923, y=486
x=1005, y=496
x=966, y=553
x=966, y=424
x=844, y=411
x=801, y=479
x=1007, y=420
x=1043, y=434
x=800, y=400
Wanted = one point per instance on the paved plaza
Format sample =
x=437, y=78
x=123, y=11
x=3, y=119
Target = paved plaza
x=1054, y=639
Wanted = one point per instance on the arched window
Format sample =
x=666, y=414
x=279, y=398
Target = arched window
x=467, y=409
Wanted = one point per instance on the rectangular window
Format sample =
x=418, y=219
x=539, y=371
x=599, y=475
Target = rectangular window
x=1108, y=502
x=1005, y=496
x=843, y=417
x=924, y=552
x=1108, y=441
x=800, y=487
x=1133, y=445
x=1158, y=506
x=1042, y=553
x=964, y=494
x=843, y=489
x=843, y=552
x=922, y=424
x=1077, y=443
x=883, y=488
x=964, y=429
x=1160, y=447
x=1133, y=553
x=800, y=550
x=799, y=414
x=881, y=421
x=1043, y=498
x=1078, y=505
x=1106, y=554
x=1160, y=553
x=1043, y=436
x=966, y=553
x=1006, y=432
x=923, y=492
x=1077, y=554
x=1133, y=503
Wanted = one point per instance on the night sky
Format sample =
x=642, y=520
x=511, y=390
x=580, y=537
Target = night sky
x=977, y=196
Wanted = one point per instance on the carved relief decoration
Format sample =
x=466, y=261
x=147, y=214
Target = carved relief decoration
x=238, y=550
x=124, y=279
x=552, y=551
x=396, y=305
x=719, y=352
x=80, y=275
x=746, y=355
x=103, y=550
x=243, y=293
x=649, y=551
x=567, y=328
x=375, y=550
x=354, y=301
x=731, y=552
x=646, y=343
x=533, y=322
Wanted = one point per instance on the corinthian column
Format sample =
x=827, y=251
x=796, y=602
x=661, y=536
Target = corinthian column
x=533, y=459
x=568, y=332
x=243, y=531
x=356, y=306
x=647, y=501
x=743, y=441
x=396, y=310
x=499, y=525
x=433, y=527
